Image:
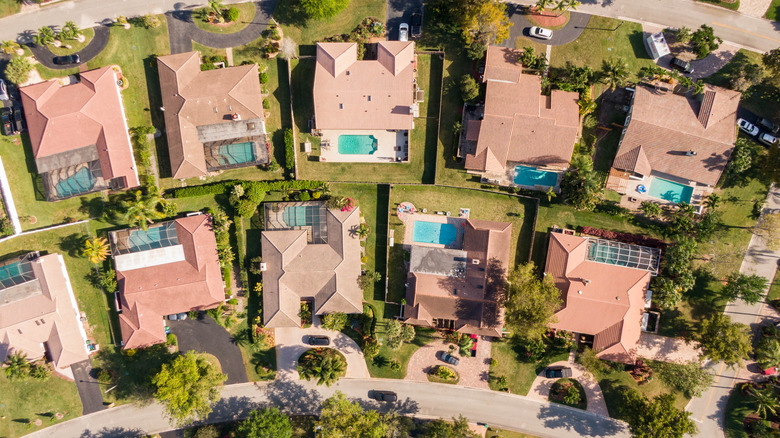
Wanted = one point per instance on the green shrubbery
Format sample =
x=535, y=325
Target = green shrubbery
x=232, y=14
x=264, y=186
x=289, y=150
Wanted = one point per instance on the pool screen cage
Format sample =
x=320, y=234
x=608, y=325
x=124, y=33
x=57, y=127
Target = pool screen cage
x=137, y=240
x=304, y=215
x=216, y=159
x=624, y=254
x=77, y=187
x=15, y=272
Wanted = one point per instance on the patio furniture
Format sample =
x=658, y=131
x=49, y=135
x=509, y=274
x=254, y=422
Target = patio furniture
x=641, y=189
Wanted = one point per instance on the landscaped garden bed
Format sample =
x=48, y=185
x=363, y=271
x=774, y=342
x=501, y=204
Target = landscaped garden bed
x=569, y=392
x=443, y=374
x=230, y=19
x=324, y=365
x=69, y=46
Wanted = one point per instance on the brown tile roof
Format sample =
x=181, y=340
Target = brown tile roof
x=146, y=294
x=64, y=119
x=328, y=272
x=475, y=299
x=355, y=94
x=193, y=98
x=615, y=293
x=520, y=124
x=43, y=310
x=666, y=126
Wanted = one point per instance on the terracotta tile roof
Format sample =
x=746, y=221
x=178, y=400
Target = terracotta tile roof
x=356, y=94
x=667, y=126
x=615, y=293
x=62, y=120
x=194, y=98
x=470, y=298
x=520, y=124
x=43, y=310
x=146, y=294
x=325, y=272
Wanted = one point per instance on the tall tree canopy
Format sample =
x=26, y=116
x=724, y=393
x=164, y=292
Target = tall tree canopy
x=722, y=340
x=531, y=302
x=484, y=22
x=187, y=387
x=265, y=423
x=657, y=417
x=341, y=418
x=323, y=9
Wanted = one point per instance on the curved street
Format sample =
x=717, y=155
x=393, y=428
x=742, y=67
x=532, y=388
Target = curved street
x=497, y=409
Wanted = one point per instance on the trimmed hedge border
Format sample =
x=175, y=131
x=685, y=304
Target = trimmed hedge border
x=223, y=186
x=372, y=329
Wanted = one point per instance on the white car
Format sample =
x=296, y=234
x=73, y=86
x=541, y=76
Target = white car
x=767, y=138
x=403, y=32
x=540, y=32
x=747, y=127
x=3, y=91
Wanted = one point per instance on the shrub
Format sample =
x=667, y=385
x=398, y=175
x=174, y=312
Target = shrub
x=40, y=372
x=264, y=78
x=370, y=348
x=289, y=149
x=18, y=69
x=150, y=21
x=266, y=104
x=445, y=373
x=170, y=339
x=233, y=301
x=334, y=321
x=232, y=14
x=104, y=376
x=304, y=196
x=469, y=90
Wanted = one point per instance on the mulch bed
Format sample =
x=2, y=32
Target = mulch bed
x=546, y=18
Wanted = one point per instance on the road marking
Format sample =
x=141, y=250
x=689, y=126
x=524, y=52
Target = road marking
x=745, y=31
x=712, y=390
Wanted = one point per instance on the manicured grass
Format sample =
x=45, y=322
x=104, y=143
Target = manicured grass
x=27, y=401
x=257, y=354
x=246, y=15
x=75, y=45
x=208, y=51
x=774, y=289
x=501, y=433
x=774, y=11
x=422, y=139
x=9, y=7
x=519, y=372
x=296, y=26
x=738, y=407
x=615, y=383
x=733, y=5
x=379, y=367
x=560, y=383
x=483, y=205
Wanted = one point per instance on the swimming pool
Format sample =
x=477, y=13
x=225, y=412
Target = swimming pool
x=81, y=182
x=301, y=215
x=434, y=232
x=531, y=176
x=156, y=237
x=357, y=144
x=670, y=191
x=237, y=153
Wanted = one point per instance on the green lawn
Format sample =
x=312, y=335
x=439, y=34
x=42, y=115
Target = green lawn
x=208, y=51
x=379, y=367
x=614, y=384
x=9, y=7
x=501, y=433
x=760, y=100
x=733, y=5
x=519, y=372
x=306, y=32
x=774, y=11
x=483, y=205
x=247, y=14
x=27, y=401
x=75, y=45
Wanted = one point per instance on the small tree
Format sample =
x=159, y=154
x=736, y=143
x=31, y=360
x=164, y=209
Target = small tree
x=768, y=352
x=571, y=396
x=265, y=423
x=749, y=288
x=531, y=303
x=9, y=47
x=17, y=366
x=650, y=209
x=151, y=21
x=368, y=279
x=722, y=340
x=341, y=418
x=580, y=185
x=187, y=387
x=96, y=249
x=232, y=14
x=592, y=364
x=322, y=9
x=334, y=321
x=704, y=41
x=614, y=72
x=469, y=90
x=289, y=150
x=690, y=378
x=682, y=34
x=18, y=70
x=44, y=36
x=288, y=48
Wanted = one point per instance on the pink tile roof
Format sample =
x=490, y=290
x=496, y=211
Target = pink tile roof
x=65, y=118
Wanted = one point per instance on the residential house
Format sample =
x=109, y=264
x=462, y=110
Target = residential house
x=39, y=316
x=461, y=289
x=311, y=255
x=214, y=119
x=520, y=137
x=364, y=109
x=170, y=268
x=79, y=135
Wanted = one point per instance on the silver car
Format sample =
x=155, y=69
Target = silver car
x=747, y=127
x=3, y=91
x=767, y=139
x=403, y=32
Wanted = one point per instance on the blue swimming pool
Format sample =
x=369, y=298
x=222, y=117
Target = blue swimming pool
x=301, y=215
x=670, y=191
x=357, y=144
x=434, y=232
x=161, y=236
x=81, y=182
x=531, y=176
x=236, y=153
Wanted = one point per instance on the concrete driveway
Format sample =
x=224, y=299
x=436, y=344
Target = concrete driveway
x=540, y=389
x=473, y=371
x=291, y=343
x=206, y=336
x=400, y=11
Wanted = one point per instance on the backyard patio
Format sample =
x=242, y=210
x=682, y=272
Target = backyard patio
x=364, y=146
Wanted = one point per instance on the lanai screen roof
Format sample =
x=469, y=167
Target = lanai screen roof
x=623, y=254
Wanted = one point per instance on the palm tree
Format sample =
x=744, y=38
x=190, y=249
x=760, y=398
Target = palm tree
x=242, y=337
x=614, y=72
x=711, y=202
x=650, y=209
x=74, y=30
x=44, y=36
x=142, y=210
x=364, y=230
x=9, y=46
x=330, y=370
x=18, y=366
x=550, y=194
x=764, y=401
x=768, y=353
x=698, y=87
x=217, y=6
x=543, y=4
x=95, y=249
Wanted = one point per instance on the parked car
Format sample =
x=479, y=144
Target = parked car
x=67, y=59
x=4, y=91
x=769, y=126
x=384, y=396
x=446, y=357
x=173, y=317
x=769, y=371
x=683, y=66
x=19, y=124
x=403, y=32
x=767, y=138
x=416, y=23
x=747, y=126
x=540, y=32
x=318, y=340
x=557, y=372
x=5, y=116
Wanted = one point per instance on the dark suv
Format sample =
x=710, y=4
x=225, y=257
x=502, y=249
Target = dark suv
x=683, y=66
x=19, y=124
x=67, y=59
x=557, y=372
x=416, y=23
x=5, y=116
x=318, y=340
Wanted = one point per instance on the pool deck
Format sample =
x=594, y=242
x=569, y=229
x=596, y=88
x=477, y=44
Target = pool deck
x=632, y=199
x=410, y=218
x=507, y=178
x=391, y=147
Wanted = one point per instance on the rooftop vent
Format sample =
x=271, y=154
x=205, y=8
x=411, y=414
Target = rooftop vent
x=579, y=292
x=475, y=261
x=236, y=116
x=251, y=126
x=691, y=153
x=586, y=281
x=263, y=266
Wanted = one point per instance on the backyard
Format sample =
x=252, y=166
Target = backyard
x=28, y=401
x=307, y=32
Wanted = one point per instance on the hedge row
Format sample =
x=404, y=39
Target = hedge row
x=289, y=149
x=238, y=222
x=224, y=186
x=371, y=330
x=635, y=239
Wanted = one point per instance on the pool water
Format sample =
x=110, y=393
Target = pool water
x=670, y=191
x=237, y=153
x=434, y=232
x=15, y=273
x=81, y=182
x=357, y=144
x=531, y=176
x=153, y=238
x=300, y=215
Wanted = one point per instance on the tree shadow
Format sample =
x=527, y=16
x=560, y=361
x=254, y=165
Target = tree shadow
x=582, y=423
x=73, y=244
x=114, y=432
x=293, y=397
x=232, y=408
x=289, y=12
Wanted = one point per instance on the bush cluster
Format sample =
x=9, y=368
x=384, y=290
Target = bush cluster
x=635, y=239
x=289, y=150
x=264, y=186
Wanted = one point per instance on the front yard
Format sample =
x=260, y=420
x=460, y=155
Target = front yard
x=519, y=371
x=308, y=32
x=26, y=402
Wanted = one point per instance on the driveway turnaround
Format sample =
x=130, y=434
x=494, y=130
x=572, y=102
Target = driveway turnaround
x=497, y=409
x=89, y=389
x=473, y=371
x=400, y=11
x=521, y=27
x=98, y=43
x=206, y=336
x=540, y=389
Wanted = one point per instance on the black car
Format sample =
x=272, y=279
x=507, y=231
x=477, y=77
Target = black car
x=416, y=23
x=683, y=66
x=5, y=116
x=384, y=396
x=318, y=340
x=557, y=372
x=768, y=125
x=67, y=59
x=19, y=124
x=446, y=357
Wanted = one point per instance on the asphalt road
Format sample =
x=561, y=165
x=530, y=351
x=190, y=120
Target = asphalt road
x=497, y=409
x=206, y=336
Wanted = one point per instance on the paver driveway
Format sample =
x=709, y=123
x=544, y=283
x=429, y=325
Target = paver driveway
x=540, y=389
x=473, y=371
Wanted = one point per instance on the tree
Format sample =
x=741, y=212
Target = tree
x=764, y=401
x=459, y=427
x=369, y=278
x=325, y=365
x=44, y=36
x=690, y=378
x=722, y=340
x=768, y=227
x=650, y=209
x=698, y=87
x=216, y=6
x=614, y=72
x=341, y=418
x=544, y=4
x=711, y=201
x=334, y=321
x=531, y=303
x=265, y=423
x=704, y=41
x=187, y=387
x=9, y=46
x=70, y=31
x=741, y=160
x=288, y=48
x=18, y=70
x=408, y=333
x=232, y=14
x=150, y=21
x=749, y=288
x=579, y=184
x=142, y=210
x=771, y=61
x=323, y=9
x=591, y=362
x=768, y=352
x=563, y=5
x=96, y=249
x=657, y=417
x=682, y=34
x=484, y=22
x=469, y=90
x=18, y=368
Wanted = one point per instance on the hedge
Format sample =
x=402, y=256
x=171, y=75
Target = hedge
x=635, y=239
x=372, y=327
x=238, y=222
x=224, y=186
x=289, y=148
